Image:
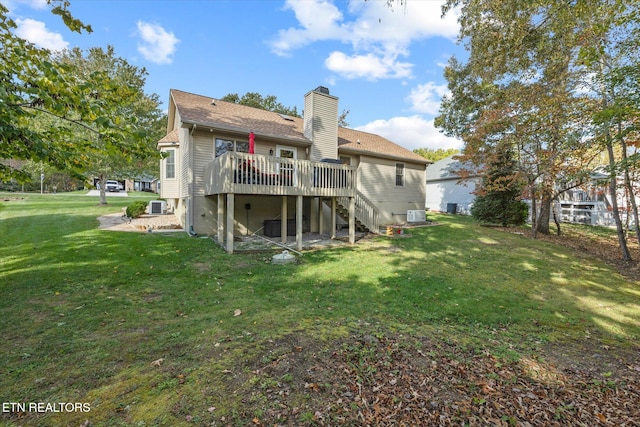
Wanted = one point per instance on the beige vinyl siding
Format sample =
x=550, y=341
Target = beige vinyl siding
x=185, y=172
x=377, y=181
x=203, y=154
x=169, y=188
x=321, y=125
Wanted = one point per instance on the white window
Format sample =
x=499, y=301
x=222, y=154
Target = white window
x=286, y=169
x=399, y=174
x=345, y=160
x=170, y=165
x=225, y=145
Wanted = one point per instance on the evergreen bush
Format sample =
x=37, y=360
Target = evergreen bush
x=137, y=208
x=500, y=203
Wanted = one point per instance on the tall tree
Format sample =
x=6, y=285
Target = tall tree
x=126, y=104
x=609, y=52
x=37, y=86
x=522, y=85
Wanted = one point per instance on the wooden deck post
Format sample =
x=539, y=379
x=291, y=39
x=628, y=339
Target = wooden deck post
x=283, y=220
x=230, y=214
x=352, y=220
x=320, y=216
x=334, y=220
x=220, y=218
x=299, y=223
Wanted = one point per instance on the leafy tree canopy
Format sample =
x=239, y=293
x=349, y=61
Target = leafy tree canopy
x=132, y=104
x=255, y=100
x=435, y=154
x=46, y=101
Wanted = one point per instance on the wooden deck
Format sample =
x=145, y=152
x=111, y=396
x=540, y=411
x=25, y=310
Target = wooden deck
x=243, y=173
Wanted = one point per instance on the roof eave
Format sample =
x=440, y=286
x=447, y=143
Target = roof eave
x=242, y=131
x=346, y=150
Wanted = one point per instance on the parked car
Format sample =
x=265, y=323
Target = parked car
x=113, y=186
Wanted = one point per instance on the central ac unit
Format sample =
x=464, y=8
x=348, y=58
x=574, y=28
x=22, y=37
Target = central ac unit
x=157, y=207
x=416, y=216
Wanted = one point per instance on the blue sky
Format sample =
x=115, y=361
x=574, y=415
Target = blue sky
x=384, y=64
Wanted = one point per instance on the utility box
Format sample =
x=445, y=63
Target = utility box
x=157, y=207
x=272, y=227
x=417, y=215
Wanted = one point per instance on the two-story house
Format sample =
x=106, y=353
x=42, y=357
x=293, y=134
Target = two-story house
x=232, y=170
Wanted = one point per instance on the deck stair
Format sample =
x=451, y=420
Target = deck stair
x=366, y=213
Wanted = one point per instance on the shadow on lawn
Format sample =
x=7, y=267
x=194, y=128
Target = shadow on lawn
x=478, y=276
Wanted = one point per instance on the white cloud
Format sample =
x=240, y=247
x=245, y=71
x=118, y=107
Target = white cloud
x=426, y=98
x=34, y=4
x=318, y=19
x=378, y=34
x=36, y=32
x=157, y=44
x=411, y=132
x=367, y=66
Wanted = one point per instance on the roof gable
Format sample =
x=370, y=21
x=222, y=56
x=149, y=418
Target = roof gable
x=447, y=168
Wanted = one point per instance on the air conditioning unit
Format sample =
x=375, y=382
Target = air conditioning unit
x=157, y=207
x=416, y=216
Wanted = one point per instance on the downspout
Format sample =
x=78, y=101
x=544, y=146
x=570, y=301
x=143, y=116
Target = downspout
x=190, y=184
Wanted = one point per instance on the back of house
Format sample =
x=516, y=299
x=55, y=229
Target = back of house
x=230, y=169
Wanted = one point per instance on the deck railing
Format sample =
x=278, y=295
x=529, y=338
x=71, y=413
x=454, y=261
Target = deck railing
x=366, y=211
x=244, y=173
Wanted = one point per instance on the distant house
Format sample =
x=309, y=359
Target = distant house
x=143, y=183
x=445, y=192
x=589, y=203
x=232, y=170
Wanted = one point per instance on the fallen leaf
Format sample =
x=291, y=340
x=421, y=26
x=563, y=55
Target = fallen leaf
x=237, y=312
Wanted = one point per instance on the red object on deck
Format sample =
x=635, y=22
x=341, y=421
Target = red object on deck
x=252, y=143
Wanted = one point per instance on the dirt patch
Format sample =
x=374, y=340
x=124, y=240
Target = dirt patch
x=389, y=379
x=145, y=223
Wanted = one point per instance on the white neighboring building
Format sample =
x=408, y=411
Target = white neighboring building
x=445, y=191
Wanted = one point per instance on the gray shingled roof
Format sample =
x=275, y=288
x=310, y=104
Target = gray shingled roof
x=210, y=112
x=170, y=138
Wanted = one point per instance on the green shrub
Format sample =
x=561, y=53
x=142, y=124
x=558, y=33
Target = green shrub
x=137, y=208
x=494, y=209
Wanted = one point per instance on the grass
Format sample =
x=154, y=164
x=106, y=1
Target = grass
x=141, y=325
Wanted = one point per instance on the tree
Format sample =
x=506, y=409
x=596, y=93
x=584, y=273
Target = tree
x=342, y=119
x=255, y=100
x=435, y=154
x=522, y=86
x=498, y=198
x=128, y=103
x=37, y=87
x=609, y=52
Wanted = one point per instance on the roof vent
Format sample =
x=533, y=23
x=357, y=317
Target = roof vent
x=286, y=117
x=213, y=101
x=322, y=89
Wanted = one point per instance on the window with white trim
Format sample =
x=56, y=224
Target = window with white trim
x=345, y=160
x=224, y=145
x=399, y=174
x=170, y=164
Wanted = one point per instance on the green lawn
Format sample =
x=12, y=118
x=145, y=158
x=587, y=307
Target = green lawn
x=141, y=326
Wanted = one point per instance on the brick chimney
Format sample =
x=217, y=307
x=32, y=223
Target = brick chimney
x=321, y=123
